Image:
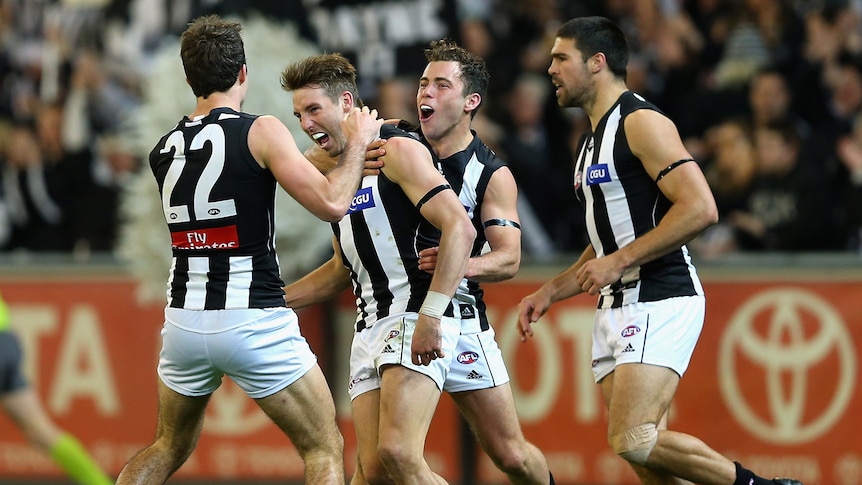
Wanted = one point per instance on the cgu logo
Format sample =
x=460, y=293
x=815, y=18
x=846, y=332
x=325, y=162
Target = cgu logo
x=598, y=173
x=630, y=331
x=363, y=199
x=467, y=357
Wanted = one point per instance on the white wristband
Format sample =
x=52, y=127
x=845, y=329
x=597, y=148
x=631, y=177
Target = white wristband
x=435, y=304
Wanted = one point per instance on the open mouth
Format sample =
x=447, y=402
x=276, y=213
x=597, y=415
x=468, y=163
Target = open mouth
x=425, y=112
x=320, y=138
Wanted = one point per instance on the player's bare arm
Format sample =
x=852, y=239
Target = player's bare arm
x=409, y=164
x=326, y=282
x=654, y=139
x=327, y=197
x=502, y=229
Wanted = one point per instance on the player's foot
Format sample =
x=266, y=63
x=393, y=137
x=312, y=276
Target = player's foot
x=786, y=481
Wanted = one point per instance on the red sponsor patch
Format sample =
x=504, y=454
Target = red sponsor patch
x=212, y=238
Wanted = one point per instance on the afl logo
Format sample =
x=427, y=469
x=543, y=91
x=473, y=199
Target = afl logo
x=213, y=212
x=630, y=331
x=392, y=335
x=467, y=357
x=578, y=177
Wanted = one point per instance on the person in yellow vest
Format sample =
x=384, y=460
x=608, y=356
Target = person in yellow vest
x=21, y=403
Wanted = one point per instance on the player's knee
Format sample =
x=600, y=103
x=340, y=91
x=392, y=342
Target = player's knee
x=511, y=459
x=635, y=444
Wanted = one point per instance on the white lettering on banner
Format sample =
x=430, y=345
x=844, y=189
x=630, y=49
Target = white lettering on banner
x=31, y=322
x=848, y=469
x=785, y=351
x=232, y=413
x=534, y=406
x=23, y=458
x=578, y=324
x=232, y=461
x=83, y=368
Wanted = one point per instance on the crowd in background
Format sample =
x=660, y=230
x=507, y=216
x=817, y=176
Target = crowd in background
x=767, y=95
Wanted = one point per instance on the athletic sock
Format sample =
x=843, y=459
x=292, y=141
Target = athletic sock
x=77, y=463
x=552, y=477
x=745, y=476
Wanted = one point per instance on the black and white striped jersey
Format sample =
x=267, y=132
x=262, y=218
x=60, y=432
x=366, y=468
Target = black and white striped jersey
x=622, y=202
x=219, y=206
x=380, y=239
x=469, y=172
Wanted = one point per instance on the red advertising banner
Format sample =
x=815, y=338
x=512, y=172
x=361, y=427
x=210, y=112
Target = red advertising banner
x=90, y=350
x=773, y=383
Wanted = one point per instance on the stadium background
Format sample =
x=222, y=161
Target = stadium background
x=774, y=380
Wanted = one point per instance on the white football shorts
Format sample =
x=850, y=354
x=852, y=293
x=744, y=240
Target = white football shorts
x=478, y=364
x=388, y=342
x=261, y=350
x=662, y=333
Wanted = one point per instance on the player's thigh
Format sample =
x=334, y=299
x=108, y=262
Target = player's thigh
x=637, y=394
x=180, y=417
x=305, y=411
x=407, y=403
x=492, y=416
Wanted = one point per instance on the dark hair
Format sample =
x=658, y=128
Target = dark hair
x=332, y=72
x=598, y=34
x=213, y=54
x=474, y=74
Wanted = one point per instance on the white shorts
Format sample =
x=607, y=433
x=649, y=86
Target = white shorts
x=661, y=333
x=388, y=342
x=261, y=350
x=478, y=364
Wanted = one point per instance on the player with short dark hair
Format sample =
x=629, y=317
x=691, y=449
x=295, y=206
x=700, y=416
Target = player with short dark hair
x=644, y=198
x=217, y=172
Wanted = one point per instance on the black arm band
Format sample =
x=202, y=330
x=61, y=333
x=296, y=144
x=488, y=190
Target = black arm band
x=501, y=222
x=431, y=193
x=672, y=166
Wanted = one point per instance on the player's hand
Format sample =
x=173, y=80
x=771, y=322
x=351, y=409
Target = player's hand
x=427, y=343
x=372, y=155
x=530, y=309
x=362, y=125
x=597, y=273
x=428, y=259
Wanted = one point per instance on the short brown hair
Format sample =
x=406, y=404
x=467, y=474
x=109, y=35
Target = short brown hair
x=213, y=54
x=332, y=72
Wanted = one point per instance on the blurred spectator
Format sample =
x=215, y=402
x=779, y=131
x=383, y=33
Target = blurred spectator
x=99, y=200
x=730, y=170
x=36, y=191
x=702, y=61
x=770, y=100
x=788, y=208
x=849, y=151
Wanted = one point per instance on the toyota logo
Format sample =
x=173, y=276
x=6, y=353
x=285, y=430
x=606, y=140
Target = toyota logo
x=782, y=335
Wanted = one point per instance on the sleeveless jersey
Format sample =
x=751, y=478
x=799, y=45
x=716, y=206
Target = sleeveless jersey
x=380, y=239
x=468, y=172
x=622, y=202
x=219, y=206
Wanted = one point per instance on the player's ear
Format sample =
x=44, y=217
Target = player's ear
x=347, y=101
x=473, y=101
